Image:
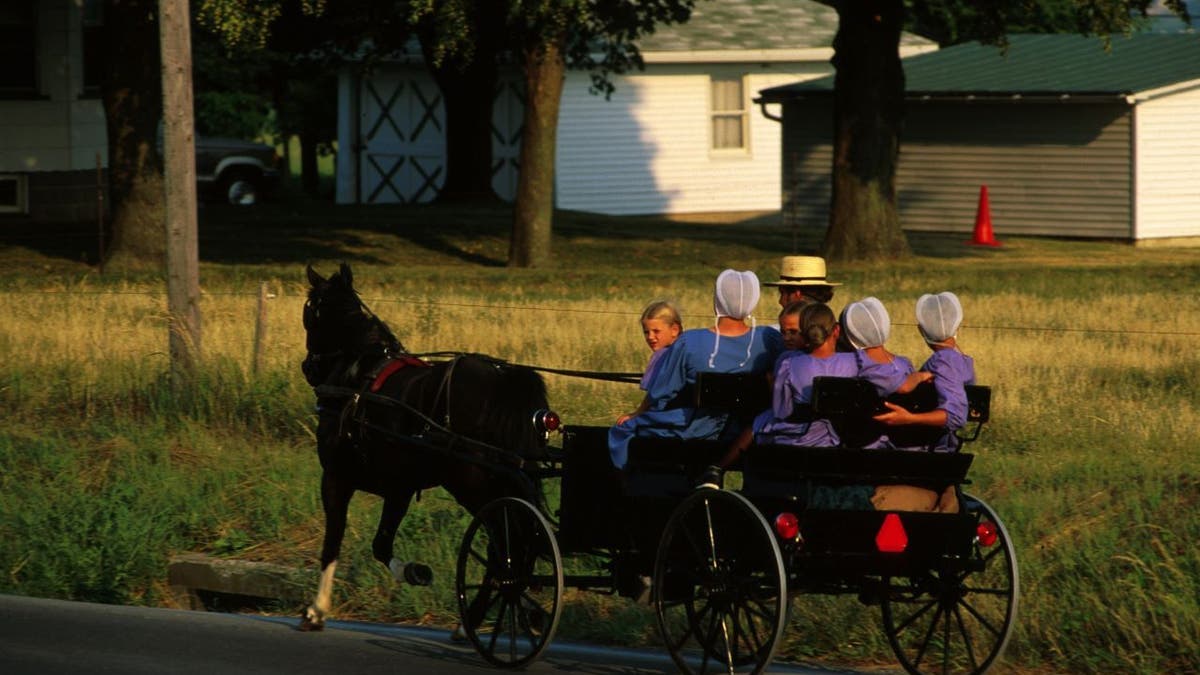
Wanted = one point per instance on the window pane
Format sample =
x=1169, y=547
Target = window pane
x=726, y=95
x=8, y=191
x=727, y=131
x=18, y=46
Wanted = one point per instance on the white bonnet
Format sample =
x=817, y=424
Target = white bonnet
x=866, y=323
x=736, y=294
x=939, y=316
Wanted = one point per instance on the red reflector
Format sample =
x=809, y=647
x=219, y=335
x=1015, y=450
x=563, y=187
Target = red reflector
x=787, y=526
x=985, y=532
x=547, y=420
x=891, y=537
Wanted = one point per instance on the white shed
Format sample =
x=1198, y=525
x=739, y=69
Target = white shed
x=678, y=137
x=1071, y=140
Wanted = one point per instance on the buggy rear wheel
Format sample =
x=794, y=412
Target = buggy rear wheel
x=719, y=584
x=510, y=583
x=957, y=620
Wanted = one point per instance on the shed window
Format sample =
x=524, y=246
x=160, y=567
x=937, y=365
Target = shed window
x=18, y=48
x=13, y=193
x=728, y=114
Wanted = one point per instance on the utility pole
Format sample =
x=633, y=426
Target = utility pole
x=179, y=172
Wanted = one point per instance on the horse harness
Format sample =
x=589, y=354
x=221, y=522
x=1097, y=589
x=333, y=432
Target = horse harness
x=352, y=420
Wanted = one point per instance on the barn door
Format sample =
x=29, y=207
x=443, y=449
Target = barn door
x=508, y=110
x=402, y=121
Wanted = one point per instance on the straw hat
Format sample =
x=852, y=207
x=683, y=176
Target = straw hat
x=802, y=270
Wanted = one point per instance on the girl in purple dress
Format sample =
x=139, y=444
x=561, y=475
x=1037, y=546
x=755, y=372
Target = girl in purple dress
x=866, y=327
x=730, y=346
x=938, y=318
x=789, y=421
x=661, y=326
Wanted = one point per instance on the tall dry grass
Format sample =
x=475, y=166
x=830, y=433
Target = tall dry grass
x=1090, y=457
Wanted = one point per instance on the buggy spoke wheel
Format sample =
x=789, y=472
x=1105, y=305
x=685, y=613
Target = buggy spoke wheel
x=510, y=583
x=720, y=592
x=956, y=621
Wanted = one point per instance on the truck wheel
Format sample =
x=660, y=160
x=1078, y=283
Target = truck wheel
x=240, y=187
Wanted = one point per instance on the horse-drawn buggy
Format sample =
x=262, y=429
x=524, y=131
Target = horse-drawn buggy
x=720, y=566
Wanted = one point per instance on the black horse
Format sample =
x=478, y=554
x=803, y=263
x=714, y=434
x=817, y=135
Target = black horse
x=392, y=425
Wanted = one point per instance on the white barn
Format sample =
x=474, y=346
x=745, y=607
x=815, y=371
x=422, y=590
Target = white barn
x=52, y=126
x=681, y=136
x=1071, y=140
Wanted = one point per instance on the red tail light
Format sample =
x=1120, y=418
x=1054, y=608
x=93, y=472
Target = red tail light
x=986, y=533
x=787, y=526
x=891, y=537
x=546, y=421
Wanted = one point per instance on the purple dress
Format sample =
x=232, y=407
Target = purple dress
x=792, y=393
x=952, y=371
x=886, y=378
x=672, y=413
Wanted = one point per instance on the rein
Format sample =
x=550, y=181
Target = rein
x=601, y=375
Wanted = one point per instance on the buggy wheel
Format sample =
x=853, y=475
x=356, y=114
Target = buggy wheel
x=510, y=583
x=957, y=620
x=719, y=585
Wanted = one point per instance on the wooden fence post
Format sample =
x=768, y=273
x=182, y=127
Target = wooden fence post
x=260, y=328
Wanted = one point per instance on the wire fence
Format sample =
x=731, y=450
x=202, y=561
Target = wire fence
x=571, y=310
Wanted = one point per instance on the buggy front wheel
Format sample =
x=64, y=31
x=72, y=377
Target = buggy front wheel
x=510, y=583
x=957, y=620
x=719, y=585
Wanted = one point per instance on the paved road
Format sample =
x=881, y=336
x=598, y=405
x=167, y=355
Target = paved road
x=54, y=637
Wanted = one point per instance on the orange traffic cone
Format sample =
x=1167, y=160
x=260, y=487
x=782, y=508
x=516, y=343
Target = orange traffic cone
x=983, y=221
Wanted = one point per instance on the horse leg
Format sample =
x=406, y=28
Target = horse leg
x=394, y=508
x=335, y=498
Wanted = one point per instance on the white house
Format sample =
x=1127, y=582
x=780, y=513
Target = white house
x=1071, y=139
x=681, y=136
x=52, y=128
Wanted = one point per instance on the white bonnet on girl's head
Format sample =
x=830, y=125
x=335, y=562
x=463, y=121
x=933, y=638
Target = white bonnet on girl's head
x=866, y=323
x=939, y=316
x=736, y=294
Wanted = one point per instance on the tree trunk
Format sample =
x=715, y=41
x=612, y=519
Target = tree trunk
x=468, y=95
x=533, y=210
x=132, y=93
x=468, y=86
x=179, y=153
x=868, y=114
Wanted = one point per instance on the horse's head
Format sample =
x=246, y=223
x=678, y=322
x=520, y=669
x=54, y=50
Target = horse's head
x=338, y=326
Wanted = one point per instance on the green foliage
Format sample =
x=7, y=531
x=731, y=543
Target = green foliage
x=247, y=22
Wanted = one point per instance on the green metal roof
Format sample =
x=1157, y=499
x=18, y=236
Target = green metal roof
x=731, y=25
x=1040, y=65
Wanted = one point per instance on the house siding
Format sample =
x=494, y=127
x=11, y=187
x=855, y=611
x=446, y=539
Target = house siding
x=1167, y=173
x=647, y=148
x=1051, y=168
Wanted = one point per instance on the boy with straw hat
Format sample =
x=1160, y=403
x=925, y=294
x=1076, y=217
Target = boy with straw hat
x=802, y=277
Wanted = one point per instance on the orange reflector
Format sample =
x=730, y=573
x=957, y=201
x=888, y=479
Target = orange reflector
x=891, y=537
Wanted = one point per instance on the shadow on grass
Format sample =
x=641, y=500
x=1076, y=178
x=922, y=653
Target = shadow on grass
x=296, y=231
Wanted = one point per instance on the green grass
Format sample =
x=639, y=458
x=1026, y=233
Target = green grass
x=105, y=471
